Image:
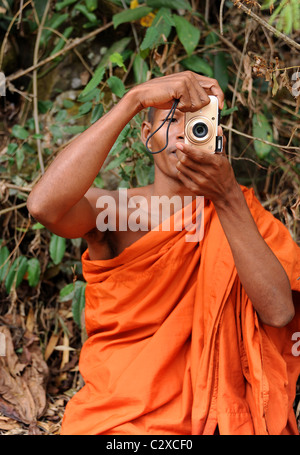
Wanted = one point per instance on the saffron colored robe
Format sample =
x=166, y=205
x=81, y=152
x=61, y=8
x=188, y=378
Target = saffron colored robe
x=175, y=346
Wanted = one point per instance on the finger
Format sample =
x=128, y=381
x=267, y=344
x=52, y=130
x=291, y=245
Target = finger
x=188, y=183
x=192, y=99
x=185, y=161
x=212, y=87
x=194, y=153
x=187, y=172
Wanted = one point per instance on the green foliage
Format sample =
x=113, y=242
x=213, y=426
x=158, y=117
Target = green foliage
x=74, y=292
x=285, y=15
x=57, y=248
x=262, y=129
x=188, y=34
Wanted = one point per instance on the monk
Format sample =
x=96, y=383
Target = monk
x=184, y=337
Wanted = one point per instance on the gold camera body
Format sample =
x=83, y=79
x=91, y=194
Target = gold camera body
x=201, y=127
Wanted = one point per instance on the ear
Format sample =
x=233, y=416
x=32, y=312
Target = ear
x=146, y=130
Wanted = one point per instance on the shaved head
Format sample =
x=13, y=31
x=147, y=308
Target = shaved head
x=151, y=114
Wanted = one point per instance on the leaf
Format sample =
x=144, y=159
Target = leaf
x=91, y=5
x=115, y=162
x=130, y=15
x=59, y=6
x=22, y=385
x=225, y=112
x=74, y=129
x=19, y=132
x=262, y=130
x=4, y=253
x=140, y=69
x=11, y=148
x=62, y=42
x=20, y=157
x=98, y=182
x=188, y=34
x=142, y=173
x=84, y=109
x=67, y=293
x=116, y=86
x=275, y=85
x=54, y=23
x=78, y=302
x=83, y=9
x=117, y=58
x=16, y=273
x=94, y=94
x=44, y=106
x=38, y=226
x=220, y=70
x=57, y=248
x=56, y=132
x=119, y=47
x=151, y=38
x=198, y=65
x=163, y=22
x=173, y=4
x=97, y=112
x=34, y=271
x=95, y=81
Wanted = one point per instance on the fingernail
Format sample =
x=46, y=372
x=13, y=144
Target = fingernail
x=179, y=146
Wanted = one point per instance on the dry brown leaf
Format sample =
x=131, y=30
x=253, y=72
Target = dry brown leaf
x=30, y=321
x=22, y=381
x=51, y=344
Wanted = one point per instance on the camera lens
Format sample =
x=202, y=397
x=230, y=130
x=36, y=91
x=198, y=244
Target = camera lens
x=200, y=130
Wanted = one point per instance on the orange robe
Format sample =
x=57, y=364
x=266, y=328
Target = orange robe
x=175, y=346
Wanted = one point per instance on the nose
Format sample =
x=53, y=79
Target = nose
x=180, y=129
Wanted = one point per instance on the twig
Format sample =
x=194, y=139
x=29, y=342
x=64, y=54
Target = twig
x=10, y=209
x=247, y=34
x=35, y=87
x=286, y=147
x=269, y=27
x=20, y=16
x=274, y=198
x=221, y=16
x=75, y=50
x=67, y=48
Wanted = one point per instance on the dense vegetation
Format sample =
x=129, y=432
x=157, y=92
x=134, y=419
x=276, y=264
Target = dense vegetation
x=68, y=62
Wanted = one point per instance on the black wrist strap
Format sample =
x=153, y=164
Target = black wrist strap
x=171, y=113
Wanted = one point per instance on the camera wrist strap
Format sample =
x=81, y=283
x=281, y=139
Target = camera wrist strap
x=171, y=113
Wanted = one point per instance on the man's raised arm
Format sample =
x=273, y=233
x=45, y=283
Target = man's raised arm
x=62, y=200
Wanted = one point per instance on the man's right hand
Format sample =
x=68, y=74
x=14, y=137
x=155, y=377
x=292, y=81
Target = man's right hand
x=190, y=88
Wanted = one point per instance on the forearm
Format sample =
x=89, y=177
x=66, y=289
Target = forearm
x=73, y=171
x=260, y=272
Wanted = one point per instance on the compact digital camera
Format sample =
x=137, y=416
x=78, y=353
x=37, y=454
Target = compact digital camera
x=201, y=127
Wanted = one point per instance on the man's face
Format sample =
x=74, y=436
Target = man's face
x=167, y=159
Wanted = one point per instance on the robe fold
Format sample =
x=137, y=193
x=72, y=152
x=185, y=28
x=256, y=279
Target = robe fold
x=174, y=344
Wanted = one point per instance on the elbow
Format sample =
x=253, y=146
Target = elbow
x=38, y=210
x=285, y=320
x=281, y=320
